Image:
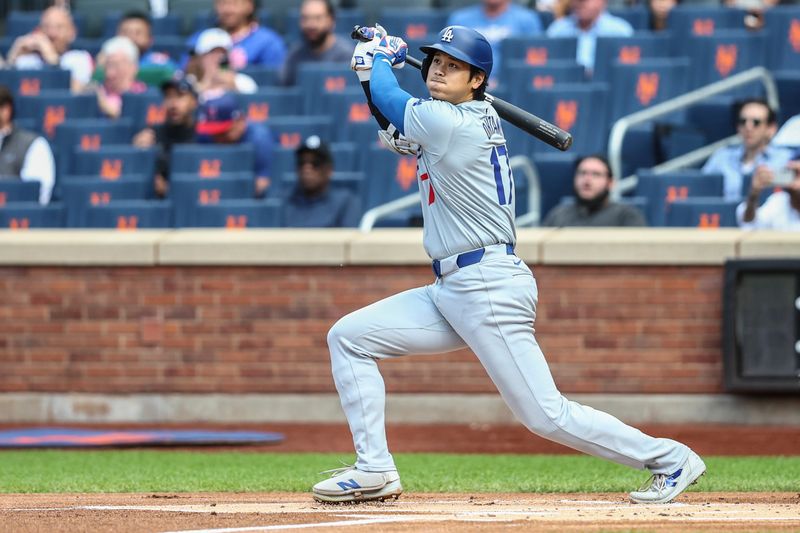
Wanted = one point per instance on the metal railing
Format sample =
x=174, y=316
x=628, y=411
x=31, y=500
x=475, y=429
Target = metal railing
x=519, y=163
x=622, y=125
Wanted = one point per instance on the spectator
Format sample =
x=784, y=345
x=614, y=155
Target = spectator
x=588, y=21
x=496, y=20
x=252, y=44
x=313, y=203
x=319, y=43
x=180, y=104
x=136, y=26
x=48, y=45
x=221, y=121
x=592, y=207
x=659, y=13
x=781, y=210
x=209, y=66
x=119, y=59
x=24, y=154
x=754, y=155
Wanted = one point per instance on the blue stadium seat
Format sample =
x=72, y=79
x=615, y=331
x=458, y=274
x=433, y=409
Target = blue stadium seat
x=537, y=51
x=289, y=131
x=715, y=117
x=87, y=135
x=33, y=82
x=130, y=215
x=686, y=21
x=346, y=18
x=638, y=149
x=520, y=76
x=23, y=22
x=631, y=50
x=263, y=76
x=650, y=82
x=240, y=214
x=349, y=109
x=168, y=25
x=662, y=190
x=727, y=52
x=172, y=45
x=16, y=190
x=188, y=194
x=412, y=23
x=389, y=176
x=112, y=161
x=27, y=215
x=783, y=26
x=144, y=110
x=273, y=101
x=787, y=82
x=52, y=107
x=580, y=109
x=79, y=194
x=702, y=212
x=320, y=79
x=637, y=16
x=211, y=160
x=556, y=175
x=346, y=157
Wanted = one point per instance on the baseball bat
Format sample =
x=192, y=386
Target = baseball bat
x=527, y=122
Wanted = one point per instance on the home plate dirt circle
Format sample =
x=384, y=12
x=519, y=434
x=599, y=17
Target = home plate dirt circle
x=229, y=513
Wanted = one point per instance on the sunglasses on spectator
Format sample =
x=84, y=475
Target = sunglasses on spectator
x=756, y=122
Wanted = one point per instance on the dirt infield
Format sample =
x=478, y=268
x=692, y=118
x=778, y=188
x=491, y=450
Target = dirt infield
x=416, y=513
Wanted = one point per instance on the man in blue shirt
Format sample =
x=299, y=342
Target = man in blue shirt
x=220, y=120
x=137, y=27
x=497, y=20
x=588, y=21
x=314, y=203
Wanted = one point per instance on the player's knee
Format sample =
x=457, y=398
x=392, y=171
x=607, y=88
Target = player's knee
x=341, y=332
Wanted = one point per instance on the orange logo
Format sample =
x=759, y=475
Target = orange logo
x=794, y=35
x=53, y=116
x=208, y=196
x=566, y=114
x=3, y=198
x=90, y=142
x=406, y=172
x=290, y=140
x=210, y=168
x=540, y=82
x=29, y=86
x=709, y=220
x=258, y=111
x=19, y=223
x=675, y=192
x=416, y=31
x=536, y=56
x=358, y=113
x=100, y=198
x=127, y=223
x=630, y=55
x=156, y=114
x=236, y=221
x=111, y=169
x=647, y=87
x=335, y=84
x=703, y=27
x=726, y=58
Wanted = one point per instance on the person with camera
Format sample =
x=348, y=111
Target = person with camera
x=781, y=210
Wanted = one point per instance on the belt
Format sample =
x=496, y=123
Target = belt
x=443, y=267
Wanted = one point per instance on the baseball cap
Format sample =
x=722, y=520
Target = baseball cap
x=314, y=145
x=217, y=115
x=212, y=38
x=180, y=84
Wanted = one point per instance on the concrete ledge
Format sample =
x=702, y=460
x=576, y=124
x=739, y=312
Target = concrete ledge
x=771, y=244
x=255, y=247
x=629, y=246
x=388, y=247
x=400, y=408
x=88, y=247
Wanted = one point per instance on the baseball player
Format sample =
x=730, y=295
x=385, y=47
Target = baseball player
x=483, y=296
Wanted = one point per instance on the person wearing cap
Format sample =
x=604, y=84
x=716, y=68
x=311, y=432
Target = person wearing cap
x=319, y=43
x=180, y=105
x=119, y=58
x=210, y=66
x=313, y=203
x=252, y=43
x=220, y=120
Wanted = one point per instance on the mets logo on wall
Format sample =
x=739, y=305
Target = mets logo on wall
x=566, y=114
x=447, y=36
x=726, y=58
x=794, y=35
x=647, y=87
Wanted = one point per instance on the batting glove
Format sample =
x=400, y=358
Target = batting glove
x=361, y=62
x=396, y=142
x=392, y=49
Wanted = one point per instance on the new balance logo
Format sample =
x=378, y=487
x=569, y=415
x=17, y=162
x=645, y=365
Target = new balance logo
x=672, y=480
x=349, y=484
x=447, y=36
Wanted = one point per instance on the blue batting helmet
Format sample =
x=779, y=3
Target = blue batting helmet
x=461, y=43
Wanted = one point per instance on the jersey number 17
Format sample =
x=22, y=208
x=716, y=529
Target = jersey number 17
x=502, y=174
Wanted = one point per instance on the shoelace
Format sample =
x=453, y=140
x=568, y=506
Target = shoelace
x=656, y=482
x=336, y=471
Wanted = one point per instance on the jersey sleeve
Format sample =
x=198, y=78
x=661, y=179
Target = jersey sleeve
x=430, y=124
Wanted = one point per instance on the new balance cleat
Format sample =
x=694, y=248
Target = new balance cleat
x=663, y=488
x=349, y=484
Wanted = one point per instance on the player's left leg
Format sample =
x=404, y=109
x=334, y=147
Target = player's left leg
x=492, y=305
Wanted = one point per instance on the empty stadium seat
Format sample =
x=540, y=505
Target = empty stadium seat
x=211, y=160
x=22, y=22
x=79, y=194
x=172, y=45
x=273, y=101
x=650, y=82
x=412, y=23
x=630, y=50
x=16, y=190
x=537, y=51
x=637, y=16
x=520, y=76
x=240, y=214
x=28, y=215
x=783, y=26
x=289, y=131
x=188, y=194
x=726, y=52
x=263, y=76
x=130, y=214
x=94, y=12
x=87, y=135
x=52, y=107
x=389, y=176
x=33, y=82
x=556, y=175
x=143, y=110
x=702, y=213
x=787, y=82
x=350, y=108
x=715, y=117
x=661, y=190
x=319, y=79
x=686, y=21
x=112, y=161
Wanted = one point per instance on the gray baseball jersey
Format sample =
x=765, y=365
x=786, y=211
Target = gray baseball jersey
x=465, y=180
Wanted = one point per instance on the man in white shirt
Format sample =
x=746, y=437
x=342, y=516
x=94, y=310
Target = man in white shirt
x=48, y=44
x=24, y=154
x=780, y=211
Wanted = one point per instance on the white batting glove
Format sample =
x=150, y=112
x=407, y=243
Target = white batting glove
x=393, y=49
x=396, y=142
x=361, y=62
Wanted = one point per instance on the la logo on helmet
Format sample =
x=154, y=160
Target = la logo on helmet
x=447, y=36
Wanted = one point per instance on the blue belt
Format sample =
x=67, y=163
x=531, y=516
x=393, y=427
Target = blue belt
x=467, y=258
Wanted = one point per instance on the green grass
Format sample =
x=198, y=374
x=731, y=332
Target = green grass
x=168, y=471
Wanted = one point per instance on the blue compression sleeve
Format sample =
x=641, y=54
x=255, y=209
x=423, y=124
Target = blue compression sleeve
x=387, y=95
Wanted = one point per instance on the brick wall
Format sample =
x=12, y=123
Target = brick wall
x=262, y=329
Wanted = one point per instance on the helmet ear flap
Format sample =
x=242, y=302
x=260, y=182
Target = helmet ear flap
x=426, y=65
